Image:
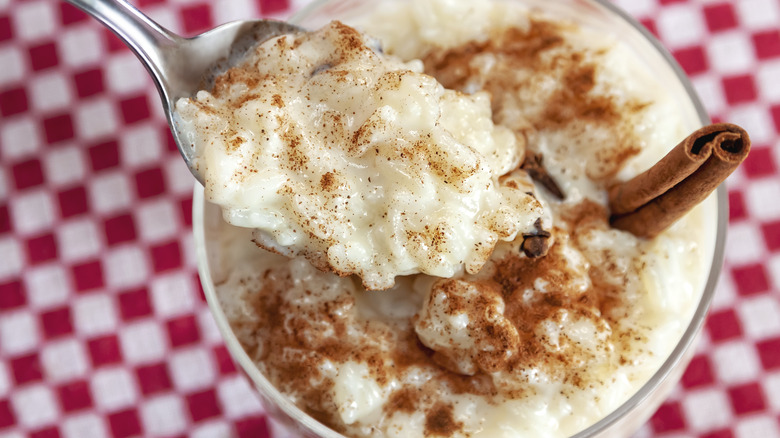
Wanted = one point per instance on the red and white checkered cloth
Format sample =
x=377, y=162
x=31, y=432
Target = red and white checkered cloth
x=103, y=328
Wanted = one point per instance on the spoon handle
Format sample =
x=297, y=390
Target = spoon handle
x=147, y=39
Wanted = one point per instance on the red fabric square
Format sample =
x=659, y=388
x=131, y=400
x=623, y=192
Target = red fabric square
x=698, y=373
x=737, y=208
x=119, y=229
x=13, y=101
x=167, y=256
x=225, y=362
x=104, y=351
x=113, y=43
x=28, y=174
x=668, y=417
x=88, y=276
x=57, y=322
x=720, y=17
x=649, y=24
x=134, y=304
x=41, y=249
x=775, y=110
x=273, y=6
x=769, y=352
x=771, y=231
x=58, y=128
x=185, y=206
x=5, y=219
x=43, y=56
x=142, y=3
x=104, y=155
x=253, y=427
x=12, y=295
x=70, y=14
x=203, y=405
x=88, y=82
x=739, y=89
x=767, y=44
x=6, y=415
x=149, y=182
x=48, y=432
x=183, y=331
x=722, y=433
x=134, y=109
x=73, y=202
x=723, y=325
x=124, y=424
x=197, y=18
x=760, y=162
x=153, y=378
x=169, y=141
x=6, y=32
x=750, y=279
x=75, y=396
x=747, y=398
x=26, y=368
x=668, y=2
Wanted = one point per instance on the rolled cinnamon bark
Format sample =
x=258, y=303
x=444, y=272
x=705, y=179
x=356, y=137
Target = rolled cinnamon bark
x=653, y=200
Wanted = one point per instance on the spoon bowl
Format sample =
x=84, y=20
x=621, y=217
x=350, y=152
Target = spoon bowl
x=179, y=66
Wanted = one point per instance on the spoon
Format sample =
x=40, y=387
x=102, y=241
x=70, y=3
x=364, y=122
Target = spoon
x=180, y=67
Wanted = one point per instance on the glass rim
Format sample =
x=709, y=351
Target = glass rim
x=270, y=393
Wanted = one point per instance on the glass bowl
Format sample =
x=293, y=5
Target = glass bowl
x=590, y=13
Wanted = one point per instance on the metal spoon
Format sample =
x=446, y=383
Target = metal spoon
x=180, y=66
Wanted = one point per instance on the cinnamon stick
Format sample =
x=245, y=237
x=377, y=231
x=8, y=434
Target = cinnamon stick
x=653, y=200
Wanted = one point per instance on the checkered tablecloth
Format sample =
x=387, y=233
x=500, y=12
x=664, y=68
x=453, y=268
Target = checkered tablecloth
x=103, y=328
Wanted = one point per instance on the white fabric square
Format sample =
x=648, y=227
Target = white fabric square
x=125, y=74
x=211, y=429
x=744, y=243
x=34, y=20
x=731, y=53
x=126, y=267
x=192, y=369
x=710, y=90
x=64, y=165
x=164, y=416
x=190, y=254
x=81, y=46
x=209, y=331
x=3, y=184
x=759, y=317
x=774, y=270
x=110, y=192
x=238, y=398
x=757, y=14
x=699, y=408
x=19, y=333
x=84, y=425
x=172, y=294
x=13, y=65
x=50, y=91
x=766, y=78
x=19, y=138
x=5, y=380
x=680, y=25
x=758, y=426
x=94, y=314
x=96, y=118
x=756, y=121
x=771, y=386
x=735, y=362
x=113, y=389
x=756, y=196
x=47, y=285
x=32, y=211
x=13, y=257
x=64, y=360
x=234, y=10
x=35, y=406
x=78, y=240
x=143, y=342
x=178, y=177
x=157, y=220
x=638, y=8
x=166, y=17
x=141, y=146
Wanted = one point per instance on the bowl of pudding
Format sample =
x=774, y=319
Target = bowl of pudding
x=378, y=282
